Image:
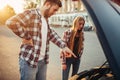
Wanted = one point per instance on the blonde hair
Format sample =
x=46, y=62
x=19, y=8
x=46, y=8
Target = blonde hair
x=74, y=31
x=75, y=21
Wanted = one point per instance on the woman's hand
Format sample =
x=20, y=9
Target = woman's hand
x=29, y=42
x=64, y=66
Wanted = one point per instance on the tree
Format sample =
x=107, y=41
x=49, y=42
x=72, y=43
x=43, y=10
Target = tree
x=6, y=13
x=30, y=5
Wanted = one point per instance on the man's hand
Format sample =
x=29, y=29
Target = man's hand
x=67, y=52
x=29, y=42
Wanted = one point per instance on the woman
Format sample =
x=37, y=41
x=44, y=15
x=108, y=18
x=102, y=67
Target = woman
x=74, y=39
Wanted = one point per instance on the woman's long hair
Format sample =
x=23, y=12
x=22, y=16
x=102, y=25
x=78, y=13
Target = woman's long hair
x=74, y=31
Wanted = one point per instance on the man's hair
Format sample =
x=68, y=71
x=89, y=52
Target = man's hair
x=58, y=2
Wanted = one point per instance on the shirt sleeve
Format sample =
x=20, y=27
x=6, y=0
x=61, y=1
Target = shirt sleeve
x=18, y=23
x=56, y=39
x=62, y=56
x=64, y=38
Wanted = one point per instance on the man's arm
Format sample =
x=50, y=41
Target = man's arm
x=18, y=23
x=60, y=43
x=56, y=39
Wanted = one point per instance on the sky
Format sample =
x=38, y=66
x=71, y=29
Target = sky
x=16, y=4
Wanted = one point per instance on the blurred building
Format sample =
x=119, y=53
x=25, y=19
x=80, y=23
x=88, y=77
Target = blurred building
x=69, y=10
x=68, y=6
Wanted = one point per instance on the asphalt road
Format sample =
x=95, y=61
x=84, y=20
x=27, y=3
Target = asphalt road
x=9, y=51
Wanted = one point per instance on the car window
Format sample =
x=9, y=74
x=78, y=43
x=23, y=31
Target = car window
x=115, y=5
x=116, y=2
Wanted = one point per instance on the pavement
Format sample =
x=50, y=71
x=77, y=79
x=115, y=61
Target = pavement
x=9, y=51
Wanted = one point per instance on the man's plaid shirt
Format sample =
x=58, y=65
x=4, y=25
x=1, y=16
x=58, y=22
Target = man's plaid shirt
x=27, y=25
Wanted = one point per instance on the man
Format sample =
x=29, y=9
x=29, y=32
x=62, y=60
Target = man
x=32, y=26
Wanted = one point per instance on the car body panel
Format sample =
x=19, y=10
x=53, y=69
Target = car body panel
x=107, y=22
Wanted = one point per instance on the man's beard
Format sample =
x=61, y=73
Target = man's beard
x=46, y=13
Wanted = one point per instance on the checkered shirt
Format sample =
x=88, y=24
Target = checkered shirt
x=27, y=25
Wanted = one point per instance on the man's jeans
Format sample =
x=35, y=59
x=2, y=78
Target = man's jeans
x=29, y=73
x=75, y=62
